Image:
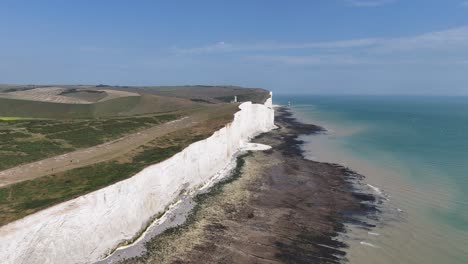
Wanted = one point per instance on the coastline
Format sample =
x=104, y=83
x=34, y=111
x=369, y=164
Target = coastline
x=407, y=231
x=116, y=214
x=277, y=207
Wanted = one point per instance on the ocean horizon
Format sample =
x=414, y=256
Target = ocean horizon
x=413, y=152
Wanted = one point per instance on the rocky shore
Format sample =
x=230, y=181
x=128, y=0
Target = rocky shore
x=277, y=207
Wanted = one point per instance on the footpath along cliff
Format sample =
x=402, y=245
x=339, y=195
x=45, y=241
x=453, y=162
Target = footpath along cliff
x=86, y=229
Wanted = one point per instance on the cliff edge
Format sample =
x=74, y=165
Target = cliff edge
x=86, y=229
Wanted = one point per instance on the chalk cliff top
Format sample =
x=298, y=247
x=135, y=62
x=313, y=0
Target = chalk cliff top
x=99, y=135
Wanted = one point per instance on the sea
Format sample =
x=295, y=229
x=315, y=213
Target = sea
x=413, y=151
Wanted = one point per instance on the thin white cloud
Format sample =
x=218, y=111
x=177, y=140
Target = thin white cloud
x=369, y=3
x=464, y=3
x=336, y=60
x=318, y=60
x=449, y=40
x=223, y=47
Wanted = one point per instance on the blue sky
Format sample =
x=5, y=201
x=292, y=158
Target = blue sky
x=320, y=46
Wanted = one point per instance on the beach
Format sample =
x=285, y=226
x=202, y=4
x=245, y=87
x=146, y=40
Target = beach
x=276, y=207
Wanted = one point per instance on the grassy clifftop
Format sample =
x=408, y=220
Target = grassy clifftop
x=213, y=94
x=39, y=124
x=69, y=102
x=27, y=197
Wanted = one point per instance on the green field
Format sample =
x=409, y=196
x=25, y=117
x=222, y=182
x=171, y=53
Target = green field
x=214, y=94
x=11, y=118
x=23, y=141
x=23, y=198
x=124, y=106
x=34, y=130
x=151, y=100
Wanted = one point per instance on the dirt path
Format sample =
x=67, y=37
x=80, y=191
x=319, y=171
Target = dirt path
x=96, y=154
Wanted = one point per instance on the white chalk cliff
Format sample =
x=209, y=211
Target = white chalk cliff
x=86, y=229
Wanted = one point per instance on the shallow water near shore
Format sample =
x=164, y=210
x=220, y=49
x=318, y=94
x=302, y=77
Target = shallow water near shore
x=413, y=152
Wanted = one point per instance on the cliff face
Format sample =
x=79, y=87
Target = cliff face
x=85, y=229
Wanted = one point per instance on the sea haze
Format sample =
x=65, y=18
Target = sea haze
x=415, y=151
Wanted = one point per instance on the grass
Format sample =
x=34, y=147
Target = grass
x=36, y=109
x=253, y=97
x=117, y=107
x=207, y=93
x=23, y=141
x=24, y=198
x=21, y=199
x=12, y=118
x=52, y=110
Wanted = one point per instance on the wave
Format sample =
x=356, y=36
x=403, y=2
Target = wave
x=376, y=189
x=364, y=243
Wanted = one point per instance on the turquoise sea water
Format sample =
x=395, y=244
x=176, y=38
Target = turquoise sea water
x=423, y=143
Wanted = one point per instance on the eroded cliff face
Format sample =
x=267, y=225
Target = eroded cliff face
x=86, y=229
